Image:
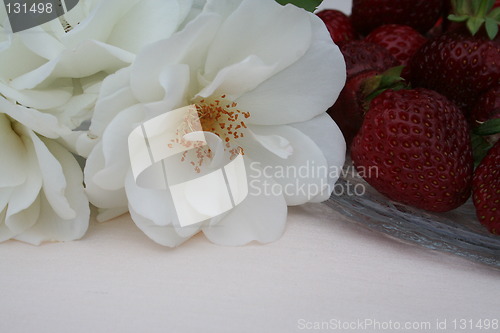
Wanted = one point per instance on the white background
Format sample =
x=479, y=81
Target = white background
x=324, y=268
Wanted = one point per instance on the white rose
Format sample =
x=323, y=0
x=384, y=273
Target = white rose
x=275, y=66
x=58, y=67
x=41, y=185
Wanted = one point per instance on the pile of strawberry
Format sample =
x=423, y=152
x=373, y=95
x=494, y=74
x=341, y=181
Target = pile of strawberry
x=422, y=100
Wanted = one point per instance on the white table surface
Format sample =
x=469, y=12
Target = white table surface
x=324, y=269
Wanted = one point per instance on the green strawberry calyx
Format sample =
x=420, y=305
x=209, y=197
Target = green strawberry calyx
x=489, y=127
x=475, y=14
x=375, y=85
x=484, y=138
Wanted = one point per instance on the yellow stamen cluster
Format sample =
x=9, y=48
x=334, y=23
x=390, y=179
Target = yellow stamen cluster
x=218, y=116
x=222, y=118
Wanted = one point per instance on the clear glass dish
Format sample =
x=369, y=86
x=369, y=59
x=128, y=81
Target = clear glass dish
x=457, y=231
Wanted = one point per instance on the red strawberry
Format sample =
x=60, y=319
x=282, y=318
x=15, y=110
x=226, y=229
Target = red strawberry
x=401, y=41
x=488, y=106
x=362, y=56
x=338, y=24
x=457, y=65
x=486, y=190
x=348, y=109
x=419, y=14
x=418, y=142
x=465, y=62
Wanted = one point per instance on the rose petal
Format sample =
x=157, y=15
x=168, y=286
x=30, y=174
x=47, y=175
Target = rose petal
x=275, y=144
x=98, y=196
x=25, y=195
x=107, y=214
x=115, y=148
x=185, y=47
x=50, y=226
x=41, y=43
x=228, y=80
x=328, y=137
x=54, y=183
x=115, y=96
x=260, y=217
x=5, y=232
x=13, y=162
x=132, y=32
x=42, y=123
x=278, y=37
x=5, y=194
x=175, y=81
x=153, y=212
x=166, y=236
x=79, y=143
x=99, y=23
x=24, y=203
x=89, y=58
x=39, y=99
x=286, y=98
x=76, y=110
x=303, y=175
x=24, y=219
x=16, y=59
